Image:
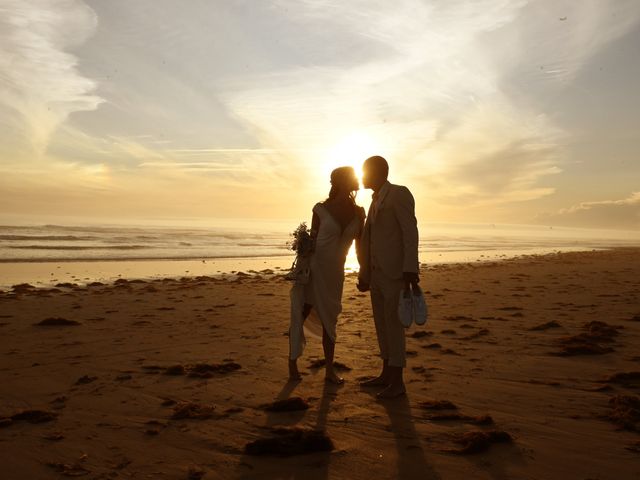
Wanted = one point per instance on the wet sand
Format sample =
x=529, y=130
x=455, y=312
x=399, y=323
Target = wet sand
x=527, y=368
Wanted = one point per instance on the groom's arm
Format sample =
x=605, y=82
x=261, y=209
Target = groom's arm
x=404, y=209
x=362, y=252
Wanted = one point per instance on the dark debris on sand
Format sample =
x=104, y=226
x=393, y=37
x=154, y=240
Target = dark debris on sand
x=478, y=441
x=421, y=334
x=315, y=364
x=478, y=420
x=175, y=370
x=292, y=404
x=480, y=333
x=290, y=441
x=207, y=370
x=56, y=322
x=437, y=405
x=30, y=416
x=69, y=469
x=194, y=411
x=627, y=379
x=625, y=412
x=85, y=379
x=545, y=326
x=23, y=288
x=449, y=351
x=602, y=329
x=53, y=436
x=195, y=473
x=589, y=342
x=196, y=370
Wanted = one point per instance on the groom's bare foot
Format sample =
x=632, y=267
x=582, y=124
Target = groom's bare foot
x=333, y=378
x=379, y=381
x=392, y=391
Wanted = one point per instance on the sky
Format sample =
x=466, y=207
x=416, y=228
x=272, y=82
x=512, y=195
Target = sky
x=518, y=111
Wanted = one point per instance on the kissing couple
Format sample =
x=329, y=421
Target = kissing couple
x=387, y=249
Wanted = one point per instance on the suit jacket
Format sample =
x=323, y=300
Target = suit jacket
x=390, y=240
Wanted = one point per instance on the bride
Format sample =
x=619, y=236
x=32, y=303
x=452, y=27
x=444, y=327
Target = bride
x=335, y=224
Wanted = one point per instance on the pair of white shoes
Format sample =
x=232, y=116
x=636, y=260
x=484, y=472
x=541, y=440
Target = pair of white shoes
x=412, y=307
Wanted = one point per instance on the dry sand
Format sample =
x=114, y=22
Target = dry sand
x=173, y=378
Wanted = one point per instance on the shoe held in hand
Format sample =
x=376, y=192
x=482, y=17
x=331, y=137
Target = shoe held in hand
x=405, y=308
x=419, y=305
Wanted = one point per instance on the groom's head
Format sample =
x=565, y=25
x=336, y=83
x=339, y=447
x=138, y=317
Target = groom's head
x=374, y=172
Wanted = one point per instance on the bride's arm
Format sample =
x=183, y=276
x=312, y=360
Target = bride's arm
x=315, y=227
x=362, y=217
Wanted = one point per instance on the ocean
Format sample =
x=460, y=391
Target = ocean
x=105, y=252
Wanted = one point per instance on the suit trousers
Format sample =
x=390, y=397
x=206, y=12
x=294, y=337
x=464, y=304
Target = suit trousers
x=385, y=295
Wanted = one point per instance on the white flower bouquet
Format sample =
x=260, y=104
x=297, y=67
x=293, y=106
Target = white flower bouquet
x=302, y=244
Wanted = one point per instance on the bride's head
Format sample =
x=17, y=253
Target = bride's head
x=344, y=183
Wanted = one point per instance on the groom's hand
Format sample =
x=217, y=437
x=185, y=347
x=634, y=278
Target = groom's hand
x=362, y=286
x=410, y=278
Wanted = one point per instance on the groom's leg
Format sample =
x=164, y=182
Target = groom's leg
x=377, y=305
x=395, y=331
x=395, y=335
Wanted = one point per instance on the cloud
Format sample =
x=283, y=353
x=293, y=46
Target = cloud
x=437, y=88
x=253, y=101
x=40, y=85
x=622, y=214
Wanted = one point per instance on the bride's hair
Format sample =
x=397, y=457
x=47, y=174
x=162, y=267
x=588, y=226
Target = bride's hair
x=343, y=179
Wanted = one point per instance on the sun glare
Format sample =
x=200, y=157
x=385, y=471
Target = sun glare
x=351, y=150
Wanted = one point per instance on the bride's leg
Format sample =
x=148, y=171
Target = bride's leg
x=329, y=350
x=294, y=373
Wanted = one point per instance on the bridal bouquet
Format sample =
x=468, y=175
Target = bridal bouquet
x=302, y=244
x=302, y=241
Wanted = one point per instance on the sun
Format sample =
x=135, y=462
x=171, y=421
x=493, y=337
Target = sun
x=351, y=150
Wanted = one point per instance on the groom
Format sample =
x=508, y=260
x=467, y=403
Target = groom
x=388, y=257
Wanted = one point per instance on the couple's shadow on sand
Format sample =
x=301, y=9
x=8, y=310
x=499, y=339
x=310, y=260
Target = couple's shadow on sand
x=411, y=460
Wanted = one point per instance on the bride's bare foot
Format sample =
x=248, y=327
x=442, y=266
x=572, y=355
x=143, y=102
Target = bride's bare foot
x=333, y=378
x=392, y=391
x=375, y=382
x=294, y=374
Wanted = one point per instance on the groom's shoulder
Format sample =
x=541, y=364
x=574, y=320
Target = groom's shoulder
x=400, y=190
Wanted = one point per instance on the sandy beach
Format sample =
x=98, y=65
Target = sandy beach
x=527, y=368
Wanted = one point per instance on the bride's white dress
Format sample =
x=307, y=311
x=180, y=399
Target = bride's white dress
x=324, y=288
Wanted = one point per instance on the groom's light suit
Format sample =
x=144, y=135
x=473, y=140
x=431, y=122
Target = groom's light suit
x=389, y=247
